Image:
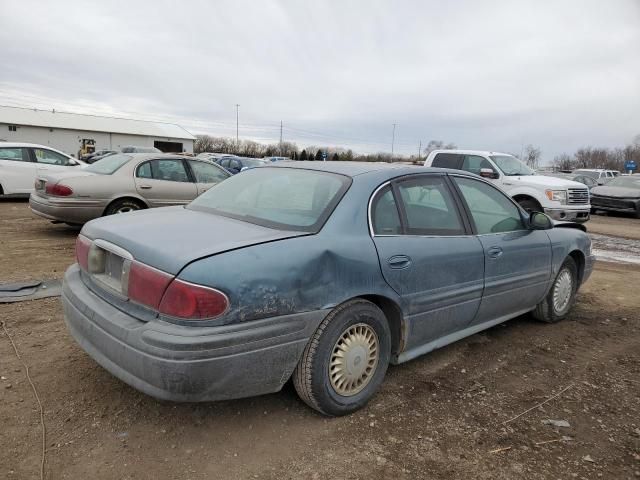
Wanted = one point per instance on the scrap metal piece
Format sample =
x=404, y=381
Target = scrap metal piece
x=31, y=290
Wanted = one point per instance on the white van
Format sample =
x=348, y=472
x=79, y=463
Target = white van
x=559, y=198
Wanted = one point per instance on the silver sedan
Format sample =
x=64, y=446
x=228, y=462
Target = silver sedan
x=122, y=183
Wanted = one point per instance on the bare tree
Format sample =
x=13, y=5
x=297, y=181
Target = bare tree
x=532, y=156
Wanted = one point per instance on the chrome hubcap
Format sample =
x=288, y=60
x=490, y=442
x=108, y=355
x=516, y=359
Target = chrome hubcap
x=354, y=360
x=125, y=209
x=562, y=291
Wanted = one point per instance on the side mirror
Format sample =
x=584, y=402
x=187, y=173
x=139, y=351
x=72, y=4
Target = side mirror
x=540, y=221
x=489, y=173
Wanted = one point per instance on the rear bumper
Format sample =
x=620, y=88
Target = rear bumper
x=181, y=363
x=566, y=215
x=74, y=211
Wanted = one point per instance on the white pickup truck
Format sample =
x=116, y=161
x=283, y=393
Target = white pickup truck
x=560, y=199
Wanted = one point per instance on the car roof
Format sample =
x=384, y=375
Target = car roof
x=470, y=152
x=352, y=169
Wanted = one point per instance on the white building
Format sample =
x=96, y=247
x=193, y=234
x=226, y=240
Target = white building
x=66, y=131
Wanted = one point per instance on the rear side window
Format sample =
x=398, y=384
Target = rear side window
x=429, y=207
x=447, y=160
x=14, y=154
x=384, y=214
x=491, y=210
x=170, y=170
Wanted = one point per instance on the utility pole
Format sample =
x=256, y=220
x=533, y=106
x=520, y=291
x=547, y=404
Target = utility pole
x=280, y=149
x=419, y=151
x=237, y=117
x=393, y=140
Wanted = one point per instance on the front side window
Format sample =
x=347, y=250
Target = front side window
x=207, y=173
x=491, y=210
x=384, y=213
x=511, y=166
x=281, y=198
x=14, y=154
x=50, y=158
x=475, y=163
x=169, y=170
x=429, y=207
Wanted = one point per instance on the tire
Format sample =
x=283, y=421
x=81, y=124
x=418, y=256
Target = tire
x=344, y=391
x=530, y=205
x=123, y=206
x=551, y=310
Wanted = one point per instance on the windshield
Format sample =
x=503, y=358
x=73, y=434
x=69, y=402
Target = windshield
x=108, y=165
x=632, y=181
x=281, y=198
x=511, y=166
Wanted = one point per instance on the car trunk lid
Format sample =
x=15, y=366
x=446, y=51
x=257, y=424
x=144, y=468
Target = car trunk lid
x=169, y=238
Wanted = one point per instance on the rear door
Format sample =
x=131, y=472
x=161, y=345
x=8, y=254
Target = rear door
x=163, y=182
x=517, y=260
x=17, y=171
x=206, y=175
x=428, y=256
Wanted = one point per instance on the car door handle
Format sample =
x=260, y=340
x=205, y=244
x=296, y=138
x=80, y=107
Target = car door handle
x=399, y=261
x=494, y=252
x=145, y=187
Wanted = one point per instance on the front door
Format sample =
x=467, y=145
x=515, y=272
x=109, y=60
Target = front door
x=428, y=256
x=517, y=260
x=164, y=182
x=207, y=174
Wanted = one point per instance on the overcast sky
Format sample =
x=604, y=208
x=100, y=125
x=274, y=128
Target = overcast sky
x=486, y=75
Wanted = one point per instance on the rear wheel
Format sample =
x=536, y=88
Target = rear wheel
x=530, y=205
x=123, y=206
x=345, y=360
x=561, y=296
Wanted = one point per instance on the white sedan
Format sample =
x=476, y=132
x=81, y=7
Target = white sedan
x=20, y=163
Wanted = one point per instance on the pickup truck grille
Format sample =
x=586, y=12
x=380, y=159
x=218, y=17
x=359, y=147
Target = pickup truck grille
x=578, y=196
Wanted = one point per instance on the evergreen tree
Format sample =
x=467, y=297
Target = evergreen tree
x=319, y=155
x=303, y=154
x=336, y=157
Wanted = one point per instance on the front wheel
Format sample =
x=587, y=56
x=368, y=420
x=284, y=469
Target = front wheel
x=530, y=205
x=561, y=296
x=345, y=360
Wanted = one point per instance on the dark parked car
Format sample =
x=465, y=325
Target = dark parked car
x=584, y=179
x=622, y=194
x=324, y=272
x=237, y=164
x=134, y=149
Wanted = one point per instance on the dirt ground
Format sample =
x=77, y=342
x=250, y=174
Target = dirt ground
x=440, y=416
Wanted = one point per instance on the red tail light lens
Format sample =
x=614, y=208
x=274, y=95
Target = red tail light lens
x=146, y=284
x=193, y=302
x=58, y=190
x=83, y=244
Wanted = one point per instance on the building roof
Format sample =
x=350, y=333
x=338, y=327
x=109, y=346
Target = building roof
x=92, y=123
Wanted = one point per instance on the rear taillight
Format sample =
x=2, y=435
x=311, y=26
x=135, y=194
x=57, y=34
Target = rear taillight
x=58, y=190
x=83, y=244
x=147, y=285
x=192, y=302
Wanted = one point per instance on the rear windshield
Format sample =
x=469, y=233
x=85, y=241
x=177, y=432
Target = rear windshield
x=108, y=165
x=281, y=198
